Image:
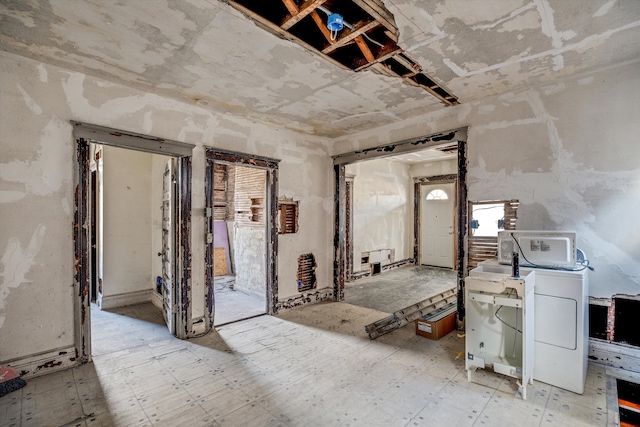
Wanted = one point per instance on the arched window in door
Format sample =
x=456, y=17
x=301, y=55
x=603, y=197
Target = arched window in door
x=437, y=194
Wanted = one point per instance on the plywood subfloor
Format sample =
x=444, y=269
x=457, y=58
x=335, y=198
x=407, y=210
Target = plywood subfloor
x=313, y=366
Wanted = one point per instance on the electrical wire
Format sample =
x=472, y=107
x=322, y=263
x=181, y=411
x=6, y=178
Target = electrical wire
x=584, y=265
x=515, y=335
x=349, y=26
x=505, y=323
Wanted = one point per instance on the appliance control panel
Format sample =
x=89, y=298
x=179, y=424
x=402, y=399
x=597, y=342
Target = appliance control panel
x=538, y=248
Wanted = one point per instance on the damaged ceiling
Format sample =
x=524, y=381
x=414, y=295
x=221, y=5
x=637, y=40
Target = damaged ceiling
x=228, y=57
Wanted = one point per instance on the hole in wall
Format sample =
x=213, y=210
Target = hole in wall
x=307, y=272
x=376, y=268
x=627, y=318
x=598, y=321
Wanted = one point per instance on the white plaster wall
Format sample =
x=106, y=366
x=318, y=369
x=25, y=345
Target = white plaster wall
x=37, y=184
x=382, y=208
x=434, y=168
x=568, y=151
x=127, y=221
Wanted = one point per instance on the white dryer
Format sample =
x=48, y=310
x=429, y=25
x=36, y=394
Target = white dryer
x=561, y=324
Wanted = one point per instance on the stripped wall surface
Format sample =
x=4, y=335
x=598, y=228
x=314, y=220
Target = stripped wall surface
x=567, y=151
x=382, y=208
x=434, y=168
x=37, y=186
x=250, y=233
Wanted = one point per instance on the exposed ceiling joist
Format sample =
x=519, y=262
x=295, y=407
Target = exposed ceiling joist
x=300, y=13
x=349, y=35
x=367, y=36
x=380, y=14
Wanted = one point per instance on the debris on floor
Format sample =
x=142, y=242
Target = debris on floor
x=409, y=314
x=10, y=380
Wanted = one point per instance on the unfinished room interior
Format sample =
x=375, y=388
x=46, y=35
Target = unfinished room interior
x=320, y=213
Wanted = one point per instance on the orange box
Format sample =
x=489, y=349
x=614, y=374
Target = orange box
x=437, y=324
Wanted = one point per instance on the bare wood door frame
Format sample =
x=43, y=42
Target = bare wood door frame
x=213, y=156
x=86, y=134
x=406, y=146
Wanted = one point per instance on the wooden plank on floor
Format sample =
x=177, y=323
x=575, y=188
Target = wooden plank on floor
x=408, y=314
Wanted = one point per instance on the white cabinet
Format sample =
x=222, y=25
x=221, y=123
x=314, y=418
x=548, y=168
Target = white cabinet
x=500, y=325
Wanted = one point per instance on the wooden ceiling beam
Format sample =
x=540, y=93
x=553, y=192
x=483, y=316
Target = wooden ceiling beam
x=408, y=64
x=381, y=15
x=285, y=35
x=368, y=55
x=449, y=100
x=291, y=7
x=393, y=50
x=306, y=8
x=349, y=35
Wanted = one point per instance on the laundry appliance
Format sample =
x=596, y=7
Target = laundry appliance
x=561, y=311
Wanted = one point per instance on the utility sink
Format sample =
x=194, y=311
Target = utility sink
x=498, y=283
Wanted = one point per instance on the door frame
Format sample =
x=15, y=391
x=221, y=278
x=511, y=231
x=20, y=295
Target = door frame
x=405, y=146
x=85, y=134
x=233, y=158
x=417, y=213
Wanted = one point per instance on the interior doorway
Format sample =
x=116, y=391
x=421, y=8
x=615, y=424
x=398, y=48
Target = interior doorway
x=437, y=226
x=239, y=243
x=116, y=227
x=365, y=207
x=240, y=192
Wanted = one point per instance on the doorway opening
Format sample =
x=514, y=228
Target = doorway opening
x=437, y=220
x=242, y=215
x=378, y=219
x=118, y=233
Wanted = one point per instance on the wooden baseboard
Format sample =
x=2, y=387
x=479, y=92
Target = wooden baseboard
x=156, y=299
x=129, y=298
x=366, y=273
x=616, y=355
x=305, y=299
x=44, y=363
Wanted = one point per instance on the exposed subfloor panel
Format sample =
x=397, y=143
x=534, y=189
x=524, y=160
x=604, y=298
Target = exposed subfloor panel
x=232, y=304
x=314, y=366
x=396, y=289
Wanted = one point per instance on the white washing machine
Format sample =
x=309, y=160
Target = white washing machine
x=561, y=324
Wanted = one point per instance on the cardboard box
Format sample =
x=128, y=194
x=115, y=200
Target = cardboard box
x=438, y=323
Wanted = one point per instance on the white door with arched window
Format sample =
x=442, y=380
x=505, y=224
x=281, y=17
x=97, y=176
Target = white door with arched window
x=436, y=224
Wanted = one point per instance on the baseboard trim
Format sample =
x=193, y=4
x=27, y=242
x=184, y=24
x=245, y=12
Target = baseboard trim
x=129, y=298
x=366, y=273
x=305, y=299
x=156, y=299
x=44, y=363
x=616, y=355
x=397, y=264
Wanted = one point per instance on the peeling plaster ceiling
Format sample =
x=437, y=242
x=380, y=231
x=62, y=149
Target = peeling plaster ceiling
x=205, y=51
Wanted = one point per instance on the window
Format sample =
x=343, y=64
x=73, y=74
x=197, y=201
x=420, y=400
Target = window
x=487, y=219
x=437, y=194
x=287, y=217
